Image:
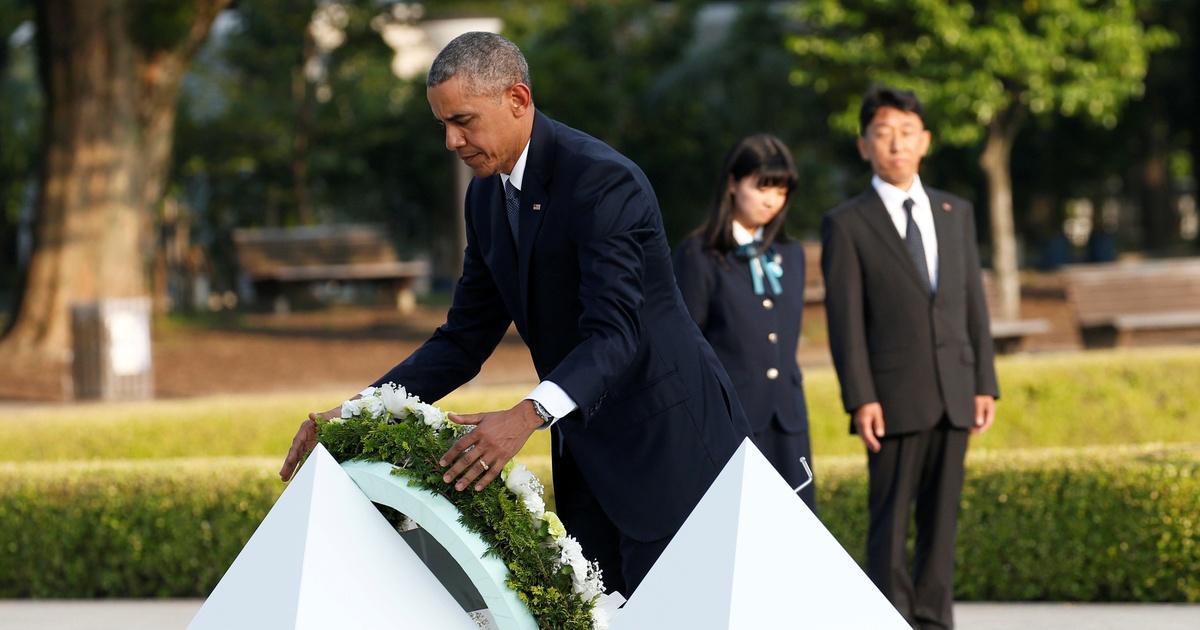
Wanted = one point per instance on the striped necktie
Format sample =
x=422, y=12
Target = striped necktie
x=512, y=203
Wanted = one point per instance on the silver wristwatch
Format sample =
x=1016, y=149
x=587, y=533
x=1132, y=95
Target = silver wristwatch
x=547, y=419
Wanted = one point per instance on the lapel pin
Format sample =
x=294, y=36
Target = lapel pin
x=946, y=206
x=537, y=207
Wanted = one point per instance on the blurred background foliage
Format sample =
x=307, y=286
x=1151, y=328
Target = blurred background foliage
x=277, y=128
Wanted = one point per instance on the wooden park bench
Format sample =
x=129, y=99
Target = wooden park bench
x=1154, y=301
x=1008, y=335
x=278, y=261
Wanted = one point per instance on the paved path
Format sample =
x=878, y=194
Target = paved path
x=169, y=614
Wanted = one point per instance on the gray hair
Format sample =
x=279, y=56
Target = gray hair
x=487, y=62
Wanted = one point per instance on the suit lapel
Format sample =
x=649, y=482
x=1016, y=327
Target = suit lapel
x=535, y=202
x=503, y=251
x=876, y=216
x=943, y=224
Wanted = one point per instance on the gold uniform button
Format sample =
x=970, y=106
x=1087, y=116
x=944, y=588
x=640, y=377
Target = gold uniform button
x=772, y=374
x=772, y=337
x=768, y=304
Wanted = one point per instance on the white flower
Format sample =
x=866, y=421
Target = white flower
x=432, y=416
x=370, y=391
x=593, y=584
x=522, y=482
x=571, y=554
x=395, y=398
x=351, y=408
x=535, y=505
x=374, y=407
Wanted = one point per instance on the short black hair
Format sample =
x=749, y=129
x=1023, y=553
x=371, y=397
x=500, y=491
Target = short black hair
x=887, y=96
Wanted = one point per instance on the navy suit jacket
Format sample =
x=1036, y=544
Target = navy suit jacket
x=590, y=287
x=751, y=334
x=920, y=356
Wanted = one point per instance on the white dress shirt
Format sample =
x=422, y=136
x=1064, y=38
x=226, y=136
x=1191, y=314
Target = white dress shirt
x=893, y=199
x=743, y=236
x=548, y=394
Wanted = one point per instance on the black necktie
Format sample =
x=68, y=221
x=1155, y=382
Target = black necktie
x=512, y=203
x=916, y=247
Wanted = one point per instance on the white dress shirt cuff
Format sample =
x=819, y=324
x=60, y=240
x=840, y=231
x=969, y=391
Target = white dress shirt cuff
x=553, y=399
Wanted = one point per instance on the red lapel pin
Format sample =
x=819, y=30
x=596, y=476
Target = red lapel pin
x=946, y=206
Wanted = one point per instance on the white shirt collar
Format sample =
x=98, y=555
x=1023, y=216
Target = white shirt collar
x=743, y=236
x=518, y=173
x=893, y=201
x=893, y=197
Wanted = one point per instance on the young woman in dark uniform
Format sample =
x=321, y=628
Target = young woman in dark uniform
x=743, y=283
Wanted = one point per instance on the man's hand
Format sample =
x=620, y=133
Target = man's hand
x=868, y=419
x=985, y=414
x=479, y=456
x=305, y=441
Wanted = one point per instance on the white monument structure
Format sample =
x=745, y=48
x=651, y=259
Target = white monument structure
x=752, y=555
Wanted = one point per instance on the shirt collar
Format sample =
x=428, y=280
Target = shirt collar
x=743, y=236
x=518, y=173
x=894, y=197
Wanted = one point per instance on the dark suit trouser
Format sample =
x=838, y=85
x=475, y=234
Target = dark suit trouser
x=926, y=466
x=784, y=450
x=623, y=560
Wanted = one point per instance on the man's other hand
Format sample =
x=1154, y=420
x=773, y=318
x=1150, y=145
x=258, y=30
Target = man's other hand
x=868, y=420
x=305, y=441
x=479, y=456
x=985, y=414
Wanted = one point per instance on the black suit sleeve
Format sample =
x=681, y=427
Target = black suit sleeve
x=845, y=311
x=611, y=228
x=694, y=275
x=978, y=323
x=475, y=324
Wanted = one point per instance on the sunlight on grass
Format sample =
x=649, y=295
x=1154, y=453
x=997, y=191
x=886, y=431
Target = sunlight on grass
x=1095, y=398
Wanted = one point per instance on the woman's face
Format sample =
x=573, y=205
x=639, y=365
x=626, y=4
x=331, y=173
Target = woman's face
x=754, y=206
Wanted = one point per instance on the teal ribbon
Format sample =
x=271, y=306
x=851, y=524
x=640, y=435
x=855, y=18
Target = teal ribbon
x=763, y=265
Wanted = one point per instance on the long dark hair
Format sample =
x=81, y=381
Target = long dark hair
x=767, y=157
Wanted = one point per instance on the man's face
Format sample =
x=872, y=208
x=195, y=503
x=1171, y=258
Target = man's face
x=487, y=131
x=894, y=144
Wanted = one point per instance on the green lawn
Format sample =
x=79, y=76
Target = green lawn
x=1094, y=398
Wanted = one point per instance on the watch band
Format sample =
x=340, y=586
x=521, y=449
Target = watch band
x=547, y=419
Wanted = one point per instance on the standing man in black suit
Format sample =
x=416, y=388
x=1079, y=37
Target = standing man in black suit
x=909, y=334
x=565, y=238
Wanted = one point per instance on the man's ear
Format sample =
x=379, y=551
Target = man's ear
x=926, y=142
x=520, y=99
x=861, y=143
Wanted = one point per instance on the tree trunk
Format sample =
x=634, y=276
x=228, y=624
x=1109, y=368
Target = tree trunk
x=109, y=112
x=303, y=97
x=1159, y=224
x=996, y=164
x=1195, y=93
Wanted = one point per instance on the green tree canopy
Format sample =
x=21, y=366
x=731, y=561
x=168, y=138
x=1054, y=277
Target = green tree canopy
x=980, y=68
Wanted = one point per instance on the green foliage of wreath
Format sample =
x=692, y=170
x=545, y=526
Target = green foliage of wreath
x=499, y=517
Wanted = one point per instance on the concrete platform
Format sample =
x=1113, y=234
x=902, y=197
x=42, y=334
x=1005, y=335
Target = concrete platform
x=173, y=614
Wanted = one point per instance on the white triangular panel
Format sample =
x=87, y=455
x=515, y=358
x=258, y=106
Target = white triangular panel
x=751, y=555
x=324, y=557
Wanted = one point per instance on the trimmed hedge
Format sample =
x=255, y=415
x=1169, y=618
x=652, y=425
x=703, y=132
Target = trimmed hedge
x=167, y=528
x=1112, y=524
x=1093, y=524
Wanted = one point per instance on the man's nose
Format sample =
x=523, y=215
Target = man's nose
x=454, y=139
